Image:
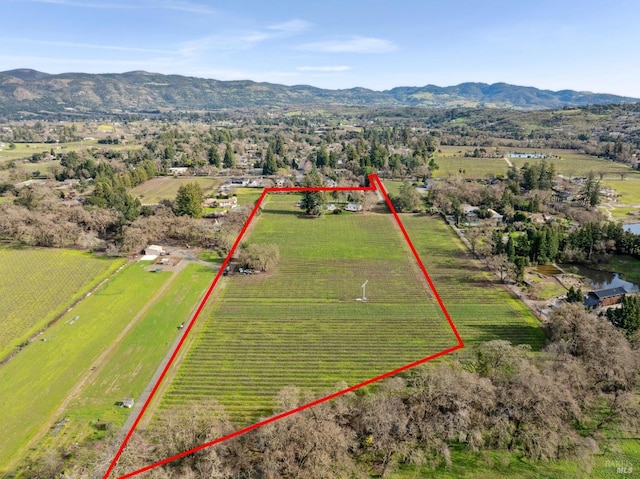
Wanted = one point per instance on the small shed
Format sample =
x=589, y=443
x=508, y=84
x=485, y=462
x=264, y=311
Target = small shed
x=128, y=403
x=154, y=250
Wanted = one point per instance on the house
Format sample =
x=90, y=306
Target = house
x=331, y=183
x=604, y=297
x=178, y=170
x=331, y=207
x=128, y=403
x=353, y=207
x=154, y=250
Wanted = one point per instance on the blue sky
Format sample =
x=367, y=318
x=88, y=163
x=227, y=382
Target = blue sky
x=561, y=44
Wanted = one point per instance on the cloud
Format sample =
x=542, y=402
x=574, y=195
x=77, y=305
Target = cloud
x=351, y=45
x=337, y=68
x=92, y=46
x=238, y=41
x=180, y=5
x=292, y=26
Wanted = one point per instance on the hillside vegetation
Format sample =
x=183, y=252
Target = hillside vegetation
x=26, y=91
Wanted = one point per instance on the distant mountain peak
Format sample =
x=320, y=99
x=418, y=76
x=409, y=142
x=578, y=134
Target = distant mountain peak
x=24, y=90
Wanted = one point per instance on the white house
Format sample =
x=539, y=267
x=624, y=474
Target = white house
x=353, y=207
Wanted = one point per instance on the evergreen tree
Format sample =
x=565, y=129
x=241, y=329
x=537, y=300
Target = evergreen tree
x=214, y=156
x=270, y=164
x=229, y=157
x=322, y=157
x=312, y=201
x=574, y=295
x=627, y=317
x=189, y=200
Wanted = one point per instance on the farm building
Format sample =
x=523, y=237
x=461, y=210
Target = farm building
x=179, y=170
x=128, y=403
x=604, y=297
x=154, y=250
x=353, y=207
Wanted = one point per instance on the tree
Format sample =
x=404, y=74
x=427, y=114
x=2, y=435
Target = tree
x=627, y=317
x=270, y=162
x=574, y=295
x=408, y=199
x=259, y=257
x=322, y=157
x=229, y=157
x=312, y=201
x=214, y=156
x=591, y=191
x=189, y=200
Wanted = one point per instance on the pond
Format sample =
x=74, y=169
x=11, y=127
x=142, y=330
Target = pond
x=633, y=227
x=601, y=279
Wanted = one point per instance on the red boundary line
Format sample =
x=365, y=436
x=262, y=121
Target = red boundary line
x=373, y=180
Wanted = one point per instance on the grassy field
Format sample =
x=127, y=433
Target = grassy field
x=569, y=163
x=629, y=190
x=505, y=465
x=35, y=383
x=481, y=309
x=166, y=188
x=39, y=284
x=302, y=323
x=25, y=150
x=247, y=196
x=135, y=359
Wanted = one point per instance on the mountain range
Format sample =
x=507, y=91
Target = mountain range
x=26, y=92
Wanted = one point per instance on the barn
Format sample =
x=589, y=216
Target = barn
x=604, y=297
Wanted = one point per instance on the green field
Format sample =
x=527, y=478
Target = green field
x=25, y=150
x=34, y=384
x=166, y=188
x=132, y=363
x=505, y=465
x=629, y=189
x=569, y=163
x=39, y=284
x=301, y=325
x=481, y=309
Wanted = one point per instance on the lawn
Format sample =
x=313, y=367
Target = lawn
x=166, y=188
x=34, y=384
x=302, y=324
x=39, y=284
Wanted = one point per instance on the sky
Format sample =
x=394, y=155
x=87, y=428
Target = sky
x=584, y=45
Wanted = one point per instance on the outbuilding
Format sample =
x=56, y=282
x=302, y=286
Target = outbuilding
x=604, y=297
x=154, y=250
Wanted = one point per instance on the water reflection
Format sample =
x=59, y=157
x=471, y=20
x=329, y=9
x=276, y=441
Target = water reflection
x=633, y=227
x=601, y=279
